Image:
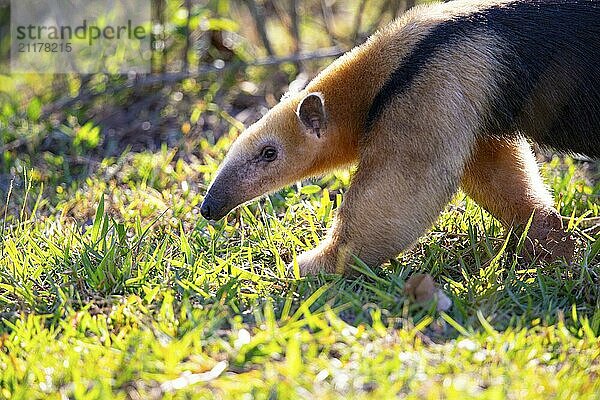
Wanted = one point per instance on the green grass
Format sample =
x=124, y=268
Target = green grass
x=115, y=287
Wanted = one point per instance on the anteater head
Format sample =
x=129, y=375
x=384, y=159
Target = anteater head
x=289, y=143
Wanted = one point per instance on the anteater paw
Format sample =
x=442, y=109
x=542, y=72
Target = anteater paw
x=547, y=240
x=323, y=259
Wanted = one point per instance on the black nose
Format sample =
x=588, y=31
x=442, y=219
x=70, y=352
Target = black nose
x=205, y=209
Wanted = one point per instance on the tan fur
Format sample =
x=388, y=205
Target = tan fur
x=410, y=166
x=503, y=177
x=411, y=163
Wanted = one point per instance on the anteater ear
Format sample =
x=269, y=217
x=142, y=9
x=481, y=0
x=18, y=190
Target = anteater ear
x=311, y=112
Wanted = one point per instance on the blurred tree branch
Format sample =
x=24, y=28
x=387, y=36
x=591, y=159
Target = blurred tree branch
x=358, y=20
x=188, y=36
x=142, y=81
x=295, y=29
x=260, y=24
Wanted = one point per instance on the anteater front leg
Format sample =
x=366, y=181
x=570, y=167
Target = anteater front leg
x=503, y=177
x=405, y=178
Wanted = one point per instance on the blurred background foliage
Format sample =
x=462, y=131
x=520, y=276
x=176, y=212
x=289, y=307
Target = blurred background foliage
x=217, y=66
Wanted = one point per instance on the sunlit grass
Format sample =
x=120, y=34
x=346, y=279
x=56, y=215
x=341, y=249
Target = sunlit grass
x=117, y=288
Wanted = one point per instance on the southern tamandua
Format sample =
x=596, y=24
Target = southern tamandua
x=446, y=96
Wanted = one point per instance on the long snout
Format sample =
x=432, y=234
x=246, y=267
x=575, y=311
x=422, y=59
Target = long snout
x=229, y=188
x=214, y=208
x=223, y=195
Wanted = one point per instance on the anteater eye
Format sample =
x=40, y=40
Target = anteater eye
x=268, y=153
